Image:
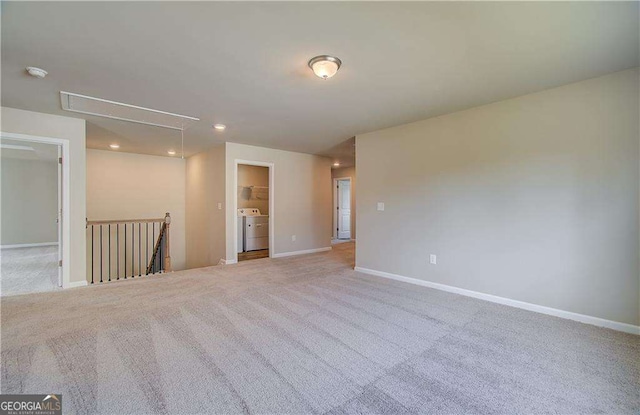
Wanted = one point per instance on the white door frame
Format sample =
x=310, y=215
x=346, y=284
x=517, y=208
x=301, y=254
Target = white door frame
x=66, y=200
x=271, y=167
x=59, y=213
x=335, y=204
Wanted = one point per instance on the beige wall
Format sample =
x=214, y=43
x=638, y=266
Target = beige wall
x=71, y=129
x=533, y=199
x=136, y=186
x=205, y=222
x=252, y=176
x=301, y=195
x=29, y=201
x=342, y=173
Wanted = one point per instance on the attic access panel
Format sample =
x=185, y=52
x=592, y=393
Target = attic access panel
x=99, y=107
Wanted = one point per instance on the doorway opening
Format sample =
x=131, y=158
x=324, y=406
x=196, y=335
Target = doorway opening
x=342, y=209
x=254, y=208
x=31, y=243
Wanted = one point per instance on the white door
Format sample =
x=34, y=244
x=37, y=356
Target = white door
x=344, y=209
x=59, y=218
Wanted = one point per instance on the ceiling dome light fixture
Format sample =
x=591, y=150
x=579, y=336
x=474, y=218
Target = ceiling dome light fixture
x=171, y=152
x=114, y=146
x=36, y=72
x=325, y=66
x=336, y=164
x=219, y=127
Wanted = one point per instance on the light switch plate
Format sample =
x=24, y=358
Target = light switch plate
x=432, y=259
x=380, y=206
x=293, y=238
x=219, y=206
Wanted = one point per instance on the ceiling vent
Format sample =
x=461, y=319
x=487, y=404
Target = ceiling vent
x=125, y=112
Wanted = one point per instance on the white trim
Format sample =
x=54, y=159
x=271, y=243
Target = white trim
x=77, y=284
x=66, y=198
x=582, y=318
x=272, y=175
x=306, y=251
x=28, y=245
x=14, y=147
x=334, y=231
x=228, y=261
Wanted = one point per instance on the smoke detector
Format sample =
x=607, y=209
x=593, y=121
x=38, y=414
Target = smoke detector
x=36, y=72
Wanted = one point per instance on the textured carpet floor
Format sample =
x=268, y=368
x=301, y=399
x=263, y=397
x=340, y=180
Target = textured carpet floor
x=306, y=335
x=29, y=270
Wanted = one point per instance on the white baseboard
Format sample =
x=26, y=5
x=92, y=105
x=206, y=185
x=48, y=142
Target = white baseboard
x=228, y=261
x=582, y=318
x=77, y=284
x=28, y=245
x=306, y=251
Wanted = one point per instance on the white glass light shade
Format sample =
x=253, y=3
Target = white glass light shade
x=325, y=66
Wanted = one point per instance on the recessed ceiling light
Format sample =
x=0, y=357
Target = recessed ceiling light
x=336, y=164
x=36, y=72
x=171, y=152
x=325, y=66
x=114, y=146
x=219, y=127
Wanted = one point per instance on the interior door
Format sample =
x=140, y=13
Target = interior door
x=59, y=218
x=344, y=209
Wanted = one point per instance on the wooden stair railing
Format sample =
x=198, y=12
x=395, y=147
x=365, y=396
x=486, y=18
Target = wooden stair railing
x=121, y=249
x=156, y=258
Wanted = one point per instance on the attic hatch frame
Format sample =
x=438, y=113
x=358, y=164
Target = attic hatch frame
x=67, y=105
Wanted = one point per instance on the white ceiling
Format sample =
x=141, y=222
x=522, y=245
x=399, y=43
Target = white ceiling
x=245, y=64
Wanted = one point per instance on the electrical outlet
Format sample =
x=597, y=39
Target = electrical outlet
x=432, y=259
x=381, y=206
x=293, y=238
x=219, y=206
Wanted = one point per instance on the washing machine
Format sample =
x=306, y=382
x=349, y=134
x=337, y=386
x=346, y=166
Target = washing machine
x=253, y=230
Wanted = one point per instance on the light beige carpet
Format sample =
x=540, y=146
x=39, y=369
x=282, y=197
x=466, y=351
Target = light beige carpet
x=306, y=335
x=28, y=270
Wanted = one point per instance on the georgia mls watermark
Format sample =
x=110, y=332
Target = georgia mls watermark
x=31, y=404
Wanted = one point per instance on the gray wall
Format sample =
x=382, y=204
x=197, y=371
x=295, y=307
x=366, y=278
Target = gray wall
x=29, y=201
x=533, y=199
x=205, y=188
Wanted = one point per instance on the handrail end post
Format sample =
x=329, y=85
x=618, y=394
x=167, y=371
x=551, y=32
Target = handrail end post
x=167, y=256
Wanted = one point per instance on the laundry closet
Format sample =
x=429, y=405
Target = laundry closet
x=253, y=212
